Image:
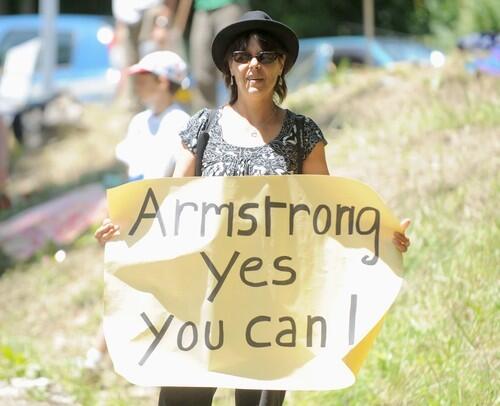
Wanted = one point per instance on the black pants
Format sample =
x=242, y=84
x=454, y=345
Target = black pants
x=178, y=396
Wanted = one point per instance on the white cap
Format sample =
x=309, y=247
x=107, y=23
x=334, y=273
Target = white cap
x=166, y=64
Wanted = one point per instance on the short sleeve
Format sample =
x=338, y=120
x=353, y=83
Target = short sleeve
x=312, y=136
x=189, y=135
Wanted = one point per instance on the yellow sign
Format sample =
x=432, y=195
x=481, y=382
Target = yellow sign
x=272, y=282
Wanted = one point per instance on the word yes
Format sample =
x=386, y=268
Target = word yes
x=252, y=264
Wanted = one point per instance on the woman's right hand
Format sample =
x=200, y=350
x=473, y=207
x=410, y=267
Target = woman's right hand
x=106, y=231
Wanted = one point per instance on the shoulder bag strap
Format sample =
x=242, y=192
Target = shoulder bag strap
x=299, y=124
x=202, y=142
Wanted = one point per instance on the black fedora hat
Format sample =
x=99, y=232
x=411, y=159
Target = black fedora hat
x=255, y=21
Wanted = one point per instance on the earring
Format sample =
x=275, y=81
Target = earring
x=232, y=80
x=280, y=80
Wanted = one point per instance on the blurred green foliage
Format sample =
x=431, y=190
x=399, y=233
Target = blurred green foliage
x=414, y=17
x=442, y=18
x=449, y=19
x=12, y=362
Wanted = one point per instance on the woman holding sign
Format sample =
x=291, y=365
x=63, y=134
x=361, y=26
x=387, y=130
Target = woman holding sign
x=251, y=135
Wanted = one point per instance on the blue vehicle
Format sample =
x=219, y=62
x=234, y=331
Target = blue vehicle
x=83, y=60
x=83, y=69
x=316, y=55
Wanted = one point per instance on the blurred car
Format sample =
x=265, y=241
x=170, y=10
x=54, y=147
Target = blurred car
x=316, y=55
x=479, y=41
x=83, y=53
x=83, y=71
x=487, y=65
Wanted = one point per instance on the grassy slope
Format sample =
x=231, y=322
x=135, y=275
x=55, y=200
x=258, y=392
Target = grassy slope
x=428, y=142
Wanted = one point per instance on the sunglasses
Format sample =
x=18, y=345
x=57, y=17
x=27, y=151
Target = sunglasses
x=264, y=57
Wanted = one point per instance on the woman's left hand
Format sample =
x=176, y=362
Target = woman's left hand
x=400, y=240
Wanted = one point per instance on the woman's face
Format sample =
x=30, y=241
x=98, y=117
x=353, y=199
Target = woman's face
x=253, y=77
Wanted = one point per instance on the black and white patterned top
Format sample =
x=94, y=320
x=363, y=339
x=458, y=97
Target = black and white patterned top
x=278, y=157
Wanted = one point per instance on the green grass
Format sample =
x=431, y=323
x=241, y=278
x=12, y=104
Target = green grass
x=439, y=345
x=429, y=142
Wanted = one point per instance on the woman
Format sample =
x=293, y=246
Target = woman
x=251, y=135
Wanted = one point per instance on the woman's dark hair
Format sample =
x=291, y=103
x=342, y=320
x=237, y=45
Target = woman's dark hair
x=268, y=43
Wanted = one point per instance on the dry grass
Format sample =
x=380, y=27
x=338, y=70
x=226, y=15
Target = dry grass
x=69, y=156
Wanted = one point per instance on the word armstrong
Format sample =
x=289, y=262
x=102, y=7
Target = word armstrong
x=339, y=220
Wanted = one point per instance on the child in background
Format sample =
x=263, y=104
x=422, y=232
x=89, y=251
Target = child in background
x=153, y=135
